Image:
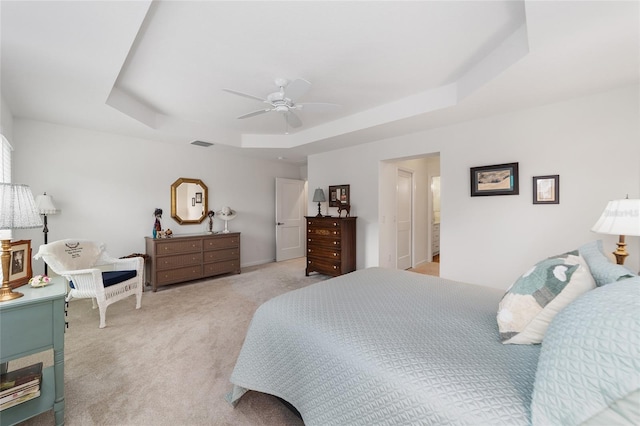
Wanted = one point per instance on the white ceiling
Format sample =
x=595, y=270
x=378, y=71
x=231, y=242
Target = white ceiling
x=156, y=70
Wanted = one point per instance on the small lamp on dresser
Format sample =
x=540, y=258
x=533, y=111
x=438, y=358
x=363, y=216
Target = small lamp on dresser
x=17, y=211
x=620, y=217
x=318, y=197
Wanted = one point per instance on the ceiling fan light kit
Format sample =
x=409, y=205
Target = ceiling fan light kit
x=284, y=101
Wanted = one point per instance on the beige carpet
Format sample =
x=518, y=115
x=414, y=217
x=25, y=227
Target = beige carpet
x=169, y=363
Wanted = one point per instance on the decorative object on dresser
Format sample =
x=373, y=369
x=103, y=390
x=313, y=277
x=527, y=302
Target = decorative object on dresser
x=157, y=225
x=20, y=270
x=93, y=273
x=346, y=208
x=339, y=194
x=190, y=257
x=499, y=179
x=318, y=197
x=620, y=217
x=227, y=214
x=331, y=245
x=18, y=212
x=45, y=206
x=184, y=208
x=211, y=214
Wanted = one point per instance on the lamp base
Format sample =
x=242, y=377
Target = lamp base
x=7, y=293
x=621, y=252
x=319, y=212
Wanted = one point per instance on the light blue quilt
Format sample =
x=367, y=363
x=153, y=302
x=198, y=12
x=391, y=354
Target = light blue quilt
x=387, y=347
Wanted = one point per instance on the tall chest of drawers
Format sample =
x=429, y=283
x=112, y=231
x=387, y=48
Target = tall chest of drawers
x=331, y=245
x=189, y=257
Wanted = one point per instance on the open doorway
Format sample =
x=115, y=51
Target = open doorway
x=423, y=215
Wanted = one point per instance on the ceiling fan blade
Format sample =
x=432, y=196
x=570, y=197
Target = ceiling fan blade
x=292, y=119
x=318, y=106
x=235, y=92
x=297, y=88
x=254, y=113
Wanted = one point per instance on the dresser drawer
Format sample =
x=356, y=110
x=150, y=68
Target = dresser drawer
x=323, y=232
x=222, y=243
x=179, y=275
x=218, y=255
x=177, y=247
x=323, y=252
x=323, y=223
x=327, y=242
x=324, y=266
x=178, y=261
x=221, y=267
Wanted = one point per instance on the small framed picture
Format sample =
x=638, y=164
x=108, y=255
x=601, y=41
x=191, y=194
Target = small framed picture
x=499, y=179
x=546, y=189
x=20, y=263
x=199, y=197
x=193, y=201
x=339, y=195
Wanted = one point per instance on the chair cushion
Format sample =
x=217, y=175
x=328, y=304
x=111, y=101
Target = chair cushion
x=110, y=278
x=589, y=366
x=70, y=255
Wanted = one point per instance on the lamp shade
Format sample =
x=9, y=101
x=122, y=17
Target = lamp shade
x=620, y=217
x=17, y=207
x=318, y=196
x=44, y=204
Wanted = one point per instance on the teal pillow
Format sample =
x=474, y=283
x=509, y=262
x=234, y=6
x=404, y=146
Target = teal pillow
x=602, y=269
x=589, y=364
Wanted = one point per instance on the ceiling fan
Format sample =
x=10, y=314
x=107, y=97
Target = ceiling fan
x=284, y=101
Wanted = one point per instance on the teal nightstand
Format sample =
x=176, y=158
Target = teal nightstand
x=28, y=325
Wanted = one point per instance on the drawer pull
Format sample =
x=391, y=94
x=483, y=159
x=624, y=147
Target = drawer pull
x=335, y=254
x=335, y=267
x=335, y=243
x=335, y=224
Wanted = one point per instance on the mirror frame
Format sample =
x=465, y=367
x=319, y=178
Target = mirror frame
x=174, y=201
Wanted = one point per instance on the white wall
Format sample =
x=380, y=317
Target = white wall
x=591, y=142
x=107, y=187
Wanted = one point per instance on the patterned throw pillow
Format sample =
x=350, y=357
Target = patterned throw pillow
x=539, y=294
x=589, y=366
x=602, y=270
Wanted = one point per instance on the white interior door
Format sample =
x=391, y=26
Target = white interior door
x=404, y=197
x=290, y=211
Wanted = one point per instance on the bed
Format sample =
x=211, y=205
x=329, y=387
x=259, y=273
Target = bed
x=387, y=347
x=381, y=346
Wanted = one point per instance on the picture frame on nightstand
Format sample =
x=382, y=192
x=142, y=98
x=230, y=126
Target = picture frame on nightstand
x=20, y=263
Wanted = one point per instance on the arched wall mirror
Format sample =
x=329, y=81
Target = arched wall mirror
x=189, y=201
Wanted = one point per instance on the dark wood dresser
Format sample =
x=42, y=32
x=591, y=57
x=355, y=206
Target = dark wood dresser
x=331, y=245
x=189, y=257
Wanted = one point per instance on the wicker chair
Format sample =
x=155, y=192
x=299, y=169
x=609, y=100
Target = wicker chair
x=92, y=273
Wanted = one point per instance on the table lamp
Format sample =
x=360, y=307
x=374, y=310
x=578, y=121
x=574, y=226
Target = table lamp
x=17, y=211
x=44, y=205
x=318, y=197
x=620, y=217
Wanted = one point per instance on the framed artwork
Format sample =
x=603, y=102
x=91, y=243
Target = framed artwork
x=20, y=263
x=193, y=201
x=199, y=197
x=499, y=179
x=339, y=195
x=546, y=189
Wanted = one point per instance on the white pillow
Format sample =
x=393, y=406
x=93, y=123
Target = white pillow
x=529, y=305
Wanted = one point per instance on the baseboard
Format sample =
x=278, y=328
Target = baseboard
x=256, y=263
